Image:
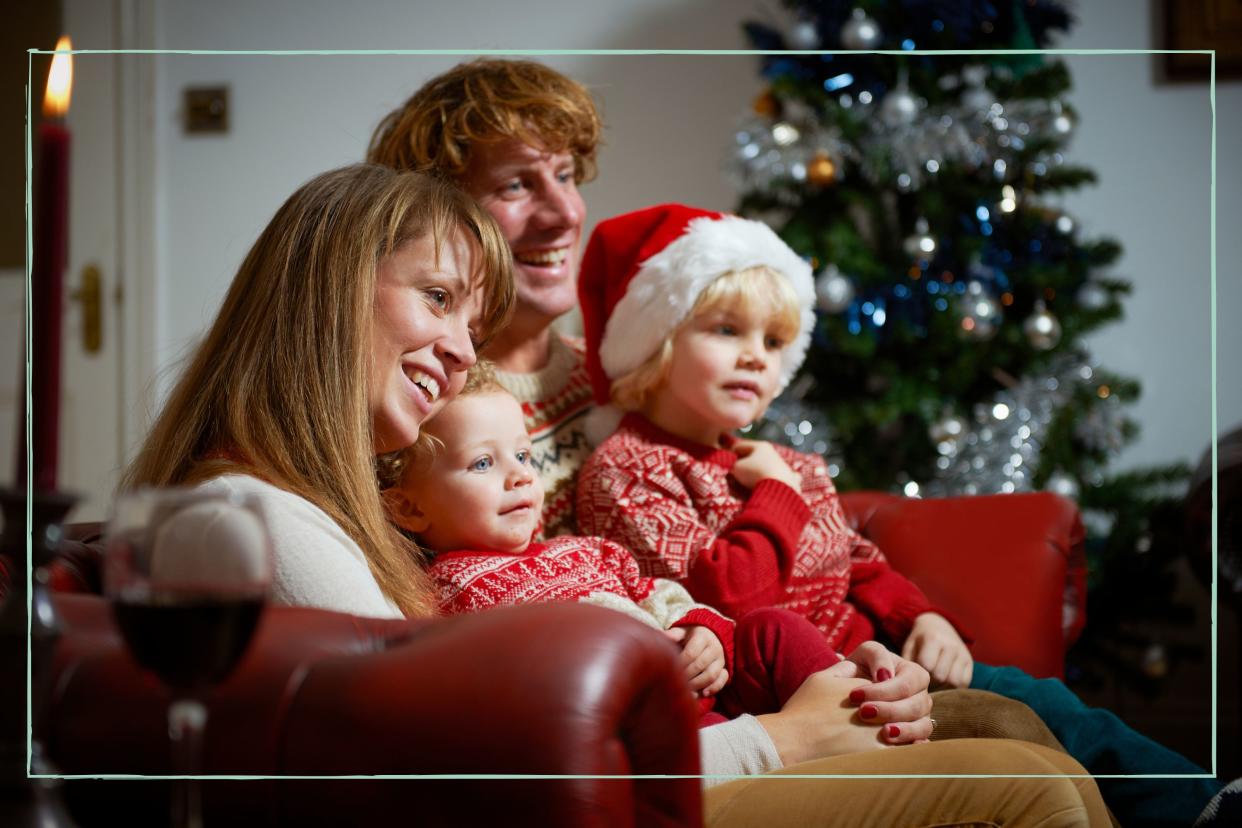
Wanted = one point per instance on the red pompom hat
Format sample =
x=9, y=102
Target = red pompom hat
x=642, y=274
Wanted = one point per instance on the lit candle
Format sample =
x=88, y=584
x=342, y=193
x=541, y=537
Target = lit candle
x=51, y=243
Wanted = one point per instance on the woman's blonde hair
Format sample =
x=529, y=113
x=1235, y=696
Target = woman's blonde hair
x=487, y=101
x=756, y=292
x=278, y=387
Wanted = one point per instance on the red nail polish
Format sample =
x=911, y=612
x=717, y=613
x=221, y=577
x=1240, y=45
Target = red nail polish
x=868, y=711
x=893, y=731
x=883, y=674
x=857, y=695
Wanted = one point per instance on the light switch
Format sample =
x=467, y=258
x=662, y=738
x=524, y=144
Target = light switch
x=206, y=109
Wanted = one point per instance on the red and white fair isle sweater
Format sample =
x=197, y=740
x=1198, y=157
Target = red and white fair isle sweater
x=590, y=570
x=555, y=400
x=673, y=504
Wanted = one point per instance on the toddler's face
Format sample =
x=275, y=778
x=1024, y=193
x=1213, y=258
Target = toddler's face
x=479, y=491
x=725, y=370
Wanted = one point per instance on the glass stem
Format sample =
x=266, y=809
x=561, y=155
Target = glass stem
x=186, y=720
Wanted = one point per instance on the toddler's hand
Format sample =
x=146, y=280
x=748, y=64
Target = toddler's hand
x=759, y=460
x=702, y=658
x=934, y=644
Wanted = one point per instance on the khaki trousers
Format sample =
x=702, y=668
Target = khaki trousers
x=789, y=799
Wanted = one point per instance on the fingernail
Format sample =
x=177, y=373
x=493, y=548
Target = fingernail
x=868, y=711
x=857, y=695
x=893, y=731
x=883, y=674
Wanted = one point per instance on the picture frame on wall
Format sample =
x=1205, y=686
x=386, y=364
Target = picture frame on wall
x=1202, y=24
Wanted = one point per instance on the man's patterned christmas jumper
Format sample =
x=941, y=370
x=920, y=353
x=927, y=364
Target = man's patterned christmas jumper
x=555, y=400
x=672, y=503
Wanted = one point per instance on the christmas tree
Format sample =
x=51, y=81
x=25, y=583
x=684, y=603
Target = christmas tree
x=954, y=294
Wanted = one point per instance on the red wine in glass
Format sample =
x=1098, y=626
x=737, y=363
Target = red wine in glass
x=192, y=641
x=187, y=572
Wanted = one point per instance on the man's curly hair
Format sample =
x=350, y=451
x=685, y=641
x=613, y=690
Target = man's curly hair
x=488, y=101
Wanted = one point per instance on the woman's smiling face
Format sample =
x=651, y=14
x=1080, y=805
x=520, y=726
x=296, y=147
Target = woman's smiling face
x=425, y=311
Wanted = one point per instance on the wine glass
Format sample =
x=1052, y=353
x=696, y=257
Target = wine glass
x=187, y=572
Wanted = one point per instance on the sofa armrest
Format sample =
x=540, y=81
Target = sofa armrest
x=1010, y=567
x=551, y=689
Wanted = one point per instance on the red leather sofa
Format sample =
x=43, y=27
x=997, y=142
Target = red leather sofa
x=547, y=690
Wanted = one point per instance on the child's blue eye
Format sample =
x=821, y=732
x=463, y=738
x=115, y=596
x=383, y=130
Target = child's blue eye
x=774, y=343
x=523, y=456
x=726, y=330
x=482, y=464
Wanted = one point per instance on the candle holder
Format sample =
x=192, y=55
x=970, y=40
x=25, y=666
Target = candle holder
x=25, y=800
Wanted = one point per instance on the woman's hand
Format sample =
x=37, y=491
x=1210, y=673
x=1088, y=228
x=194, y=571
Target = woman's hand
x=896, y=696
x=818, y=720
x=759, y=460
x=702, y=658
x=935, y=645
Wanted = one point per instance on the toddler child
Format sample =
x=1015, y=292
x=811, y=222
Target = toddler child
x=694, y=321
x=468, y=492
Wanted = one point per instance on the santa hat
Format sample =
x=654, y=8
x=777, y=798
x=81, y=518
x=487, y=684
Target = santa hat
x=642, y=274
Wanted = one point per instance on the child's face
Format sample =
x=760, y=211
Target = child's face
x=725, y=369
x=479, y=491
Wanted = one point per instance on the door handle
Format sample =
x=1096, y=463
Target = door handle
x=90, y=294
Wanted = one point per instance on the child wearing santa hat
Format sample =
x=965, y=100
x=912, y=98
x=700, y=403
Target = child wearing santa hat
x=467, y=491
x=694, y=322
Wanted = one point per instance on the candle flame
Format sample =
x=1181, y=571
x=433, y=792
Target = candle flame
x=59, y=81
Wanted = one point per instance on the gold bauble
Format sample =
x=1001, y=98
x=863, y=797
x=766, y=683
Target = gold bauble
x=767, y=105
x=821, y=171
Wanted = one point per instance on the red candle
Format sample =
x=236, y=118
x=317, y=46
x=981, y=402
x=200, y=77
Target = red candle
x=51, y=245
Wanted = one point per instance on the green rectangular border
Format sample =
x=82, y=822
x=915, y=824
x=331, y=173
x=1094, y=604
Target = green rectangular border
x=622, y=52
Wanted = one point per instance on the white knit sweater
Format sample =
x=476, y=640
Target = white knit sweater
x=315, y=564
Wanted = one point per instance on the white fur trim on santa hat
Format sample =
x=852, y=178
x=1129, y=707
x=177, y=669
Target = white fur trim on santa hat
x=663, y=292
x=602, y=421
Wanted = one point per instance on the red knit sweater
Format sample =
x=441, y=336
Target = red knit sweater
x=592, y=570
x=673, y=504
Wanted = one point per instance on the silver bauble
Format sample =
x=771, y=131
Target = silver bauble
x=784, y=134
x=802, y=36
x=899, y=108
x=1092, y=296
x=948, y=429
x=981, y=314
x=860, y=32
x=1042, y=329
x=1062, y=484
x=976, y=97
x=1155, y=662
x=833, y=291
x=1061, y=121
x=920, y=244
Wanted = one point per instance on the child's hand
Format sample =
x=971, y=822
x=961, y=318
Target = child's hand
x=934, y=644
x=702, y=658
x=759, y=460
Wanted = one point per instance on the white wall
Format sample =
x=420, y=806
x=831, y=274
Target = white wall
x=1150, y=145
x=669, y=120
